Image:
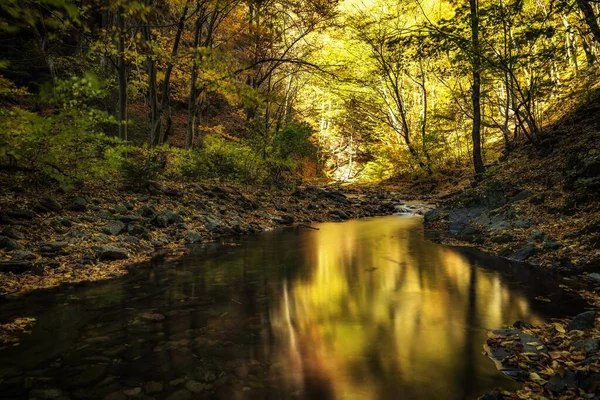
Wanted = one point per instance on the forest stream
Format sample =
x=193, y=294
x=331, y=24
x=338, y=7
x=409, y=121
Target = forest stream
x=364, y=309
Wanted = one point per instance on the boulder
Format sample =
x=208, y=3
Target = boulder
x=583, y=322
x=193, y=237
x=113, y=227
x=166, y=218
x=21, y=214
x=147, y=211
x=139, y=231
x=111, y=253
x=340, y=214
x=8, y=244
x=284, y=219
x=13, y=233
x=77, y=204
x=47, y=204
x=524, y=253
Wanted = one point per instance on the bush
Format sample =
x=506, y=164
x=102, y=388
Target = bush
x=224, y=160
x=67, y=145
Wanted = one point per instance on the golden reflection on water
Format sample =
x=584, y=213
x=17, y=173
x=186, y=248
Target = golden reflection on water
x=386, y=313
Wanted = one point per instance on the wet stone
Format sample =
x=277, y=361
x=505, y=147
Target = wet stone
x=116, y=396
x=194, y=386
x=45, y=393
x=133, y=392
x=181, y=394
x=153, y=387
x=152, y=317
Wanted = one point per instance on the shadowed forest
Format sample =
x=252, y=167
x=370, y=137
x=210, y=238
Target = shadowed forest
x=134, y=132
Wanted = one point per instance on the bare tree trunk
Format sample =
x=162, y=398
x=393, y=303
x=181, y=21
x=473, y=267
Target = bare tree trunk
x=122, y=73
x=476, y=94
x=158, y=134
x=191, y=126
x=590, y=17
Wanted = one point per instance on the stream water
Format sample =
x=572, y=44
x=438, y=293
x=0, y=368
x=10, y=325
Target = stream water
x=358, y=310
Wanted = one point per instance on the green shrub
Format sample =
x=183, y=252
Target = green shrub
x=67, y=145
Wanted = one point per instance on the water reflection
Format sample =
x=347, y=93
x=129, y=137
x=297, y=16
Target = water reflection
x=386, y=313
x=359, y=310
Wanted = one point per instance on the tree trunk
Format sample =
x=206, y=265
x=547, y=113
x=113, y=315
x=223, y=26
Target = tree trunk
x=590, y=18
x=476, y=93
x=158, y=134
x=191, y=125
x=122, y=72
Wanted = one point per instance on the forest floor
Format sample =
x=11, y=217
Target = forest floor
x=540, y=205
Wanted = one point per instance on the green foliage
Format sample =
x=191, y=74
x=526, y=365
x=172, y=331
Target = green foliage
x=66, y=145
x=294, y=142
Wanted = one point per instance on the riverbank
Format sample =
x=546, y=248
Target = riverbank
x=539, y=205
x=49, y=239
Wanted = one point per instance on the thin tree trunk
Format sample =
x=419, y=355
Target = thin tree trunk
x=190, y=133
x=157, y=133
x=590, y=18
x=122, y=73
x=476, y=94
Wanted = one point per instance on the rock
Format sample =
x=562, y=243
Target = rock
x=339, y=214
x=595, y=277
x=23, y=255
x=111, y=253
x=154, y=317
x=153, y=387
x=212, y=224
x=52, y=247
x=8, y=244
x=21, y=214
x=589, y=167
x=13, y=233
x=284, y=220
x=181, y=394
x=147, y=212
x=194, y=237
x=194, y=386
x=121, y=209
x=523, y=195
x=15, y=266
x=116, y=396
x=139, y=231
x=503, y=238
x=538, y=199
x=583, y=322
x=45, y=393
x=77, y=204
x=87, y=376
x=128, y=218
x=524, y=253
x=166, y=218
x=551, y=245
x=47, y=204
x=558, y=383
x=587, y=345
x=133, y=392
x=66, y=222
x=113, y=227
x=131, y=239
x=537, y=236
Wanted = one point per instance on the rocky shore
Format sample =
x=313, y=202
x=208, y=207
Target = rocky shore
x=60, y=238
